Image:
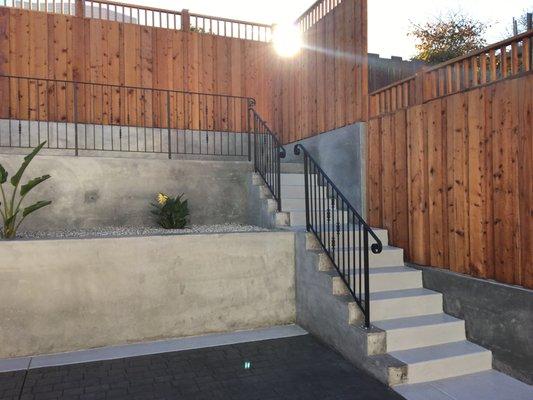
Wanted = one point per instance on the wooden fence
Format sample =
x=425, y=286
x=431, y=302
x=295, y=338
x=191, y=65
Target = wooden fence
x=325, y=87
x=46, y=45
x=491, y=64
x=451, y=180
x=322, y=88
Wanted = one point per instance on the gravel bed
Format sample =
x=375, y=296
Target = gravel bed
x=136, y=231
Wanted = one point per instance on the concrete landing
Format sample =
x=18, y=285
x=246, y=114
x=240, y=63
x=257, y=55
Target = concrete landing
x=487, y=385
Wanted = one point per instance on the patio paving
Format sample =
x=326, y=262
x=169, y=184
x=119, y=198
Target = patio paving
x=288, y=368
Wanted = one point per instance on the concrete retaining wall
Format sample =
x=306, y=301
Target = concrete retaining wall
x=67, y=295
x=340, y=154
x=498, y=317
x=88, y=192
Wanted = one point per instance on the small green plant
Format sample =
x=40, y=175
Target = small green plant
x=10, y=209
x=171, y=212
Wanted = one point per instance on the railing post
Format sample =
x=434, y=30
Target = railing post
x=185, y=20
x=168, y=123
x=80, y=8
x=366, y=277
x=249, y=106
x=306, y=172
x=278, y=166
x=76, y=119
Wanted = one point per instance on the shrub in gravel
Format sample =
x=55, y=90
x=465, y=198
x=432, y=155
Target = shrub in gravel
x=10, y=206
x=171, y=213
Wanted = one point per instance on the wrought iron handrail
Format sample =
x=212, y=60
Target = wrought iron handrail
x=84, y=116
x=268, y=153
x=342, y=233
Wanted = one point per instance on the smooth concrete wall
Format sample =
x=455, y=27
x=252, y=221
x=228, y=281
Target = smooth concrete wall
x=64, y=295
x=89, y=192
x=340, y=154
x=498, y=317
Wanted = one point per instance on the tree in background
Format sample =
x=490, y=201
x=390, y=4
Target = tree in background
x=447, y=36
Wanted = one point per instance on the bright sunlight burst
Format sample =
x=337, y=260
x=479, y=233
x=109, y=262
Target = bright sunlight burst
x=287, y=40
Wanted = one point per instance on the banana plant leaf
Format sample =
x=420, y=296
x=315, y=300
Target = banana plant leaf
x=15, y=180
x=34, y=207
x=3, y=174
x=25, y=189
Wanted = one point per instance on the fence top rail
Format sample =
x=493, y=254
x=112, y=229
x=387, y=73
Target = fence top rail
x=129, y=5
x=250, y=100
x=394, y=84
x=474, y=53
x=146, y=8
x=232, y=21
x=494, y=46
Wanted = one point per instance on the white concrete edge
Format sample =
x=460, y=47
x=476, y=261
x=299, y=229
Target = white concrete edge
x=148, y=348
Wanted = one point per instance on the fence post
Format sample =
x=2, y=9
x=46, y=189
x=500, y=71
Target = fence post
x=80, y=8
x=185, y=20
x=168, y=123
x=76, y=118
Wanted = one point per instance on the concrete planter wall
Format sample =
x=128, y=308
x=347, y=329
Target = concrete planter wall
x=67, y=295
x=89, y=192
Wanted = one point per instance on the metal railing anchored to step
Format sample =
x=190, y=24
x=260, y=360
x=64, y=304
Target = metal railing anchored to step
x=83, y=116
x=267, y=152
x=342, y=233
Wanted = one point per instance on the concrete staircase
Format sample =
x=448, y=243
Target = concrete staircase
x=432, y=345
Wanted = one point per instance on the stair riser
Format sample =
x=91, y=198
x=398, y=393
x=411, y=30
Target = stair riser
x=298, y=192
x=405, y=307
x=293, y=179
x=399, y=281
x=298, y=217
x=449, y=367
x=388, y=258
x=313, y=244
x=423, y=336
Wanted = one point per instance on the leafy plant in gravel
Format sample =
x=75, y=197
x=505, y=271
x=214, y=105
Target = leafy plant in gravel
x=171, y=213
x=10, y=206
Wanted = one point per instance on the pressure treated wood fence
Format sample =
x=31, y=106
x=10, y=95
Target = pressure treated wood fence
x=450, y=163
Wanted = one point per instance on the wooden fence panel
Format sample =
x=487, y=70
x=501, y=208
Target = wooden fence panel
x=469, y=180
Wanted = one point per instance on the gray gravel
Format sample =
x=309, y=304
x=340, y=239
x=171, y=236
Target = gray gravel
x=136, y=231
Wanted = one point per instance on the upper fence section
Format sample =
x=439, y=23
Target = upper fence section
x=315, y=13
x=499, y=61
x=148, y=16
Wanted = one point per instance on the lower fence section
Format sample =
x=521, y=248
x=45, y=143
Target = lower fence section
x=119, y=138
x=451, y=181
x=65, y=295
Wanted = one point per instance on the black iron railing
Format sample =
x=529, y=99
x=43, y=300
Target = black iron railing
x=268, y=152
x=81, y=116
x=341, y=231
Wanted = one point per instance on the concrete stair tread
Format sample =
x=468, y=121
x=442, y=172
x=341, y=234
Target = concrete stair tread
x=416, y=322
x=438, y=352
x=385, y=270
x=403, y=293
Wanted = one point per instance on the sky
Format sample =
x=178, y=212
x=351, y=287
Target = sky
x=388, y=20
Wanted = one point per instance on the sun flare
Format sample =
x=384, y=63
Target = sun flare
x=287, y=40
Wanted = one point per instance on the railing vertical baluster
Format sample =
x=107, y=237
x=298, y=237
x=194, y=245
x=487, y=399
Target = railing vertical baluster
x=169, y=128
x=76, y=118
x=367, y=282
x=306, y=177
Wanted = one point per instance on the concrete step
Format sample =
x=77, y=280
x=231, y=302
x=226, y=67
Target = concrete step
x=292, y=168
x=389, y=257
x=382, y=235
x=392, y=278
x=298, y=192
x=293, y=179
x=404, y=303
x=293, y=204
x=444, y=361
x=422, y=331
x=298, y=216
